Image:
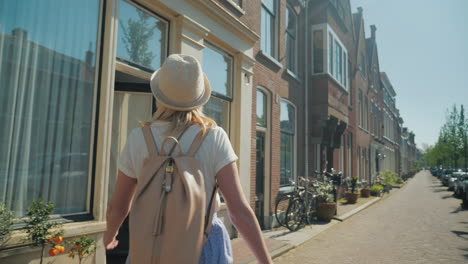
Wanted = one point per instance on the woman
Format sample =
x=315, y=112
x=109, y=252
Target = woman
x=181, y=89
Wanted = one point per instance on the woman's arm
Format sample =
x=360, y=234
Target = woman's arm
x=241, y=214
x=118, y=208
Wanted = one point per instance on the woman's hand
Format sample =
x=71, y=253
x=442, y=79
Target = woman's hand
x=109, y=241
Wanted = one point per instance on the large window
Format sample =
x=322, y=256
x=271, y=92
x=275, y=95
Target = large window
x=337, y=65
x=47, y=103
x=268, y=27
x=218, y=67
x=287, y=145
x=141, y=38
x=291, y=39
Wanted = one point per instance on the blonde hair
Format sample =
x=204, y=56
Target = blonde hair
x=180, y=120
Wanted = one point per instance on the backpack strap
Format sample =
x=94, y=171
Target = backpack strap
x=149, y=139
x=197, y=142
x=209, y=216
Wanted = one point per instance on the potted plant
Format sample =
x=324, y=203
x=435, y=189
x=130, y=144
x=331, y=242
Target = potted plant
x=376, y=190
x=326, y=208
x=351, y=197
x=365, y=190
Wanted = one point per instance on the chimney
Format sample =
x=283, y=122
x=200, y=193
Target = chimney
x=373, y=29
x=359, y=9
x=20, y=33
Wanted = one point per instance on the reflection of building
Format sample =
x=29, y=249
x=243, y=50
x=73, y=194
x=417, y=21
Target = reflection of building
x=48, y=102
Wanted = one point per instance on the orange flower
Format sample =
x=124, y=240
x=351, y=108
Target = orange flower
x=60, y=248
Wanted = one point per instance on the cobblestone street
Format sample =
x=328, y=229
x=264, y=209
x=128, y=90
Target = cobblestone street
x=421, y=223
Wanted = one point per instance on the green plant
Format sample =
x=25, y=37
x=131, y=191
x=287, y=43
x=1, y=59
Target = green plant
x=82, y=247
x=325, y=192
x=39, y=227
x=6, y=223
x=376, y=189
x=389, y=177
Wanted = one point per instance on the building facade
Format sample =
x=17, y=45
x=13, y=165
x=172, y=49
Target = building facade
x=296, y=85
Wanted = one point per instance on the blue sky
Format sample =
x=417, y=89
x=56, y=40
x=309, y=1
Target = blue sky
x=423, y=47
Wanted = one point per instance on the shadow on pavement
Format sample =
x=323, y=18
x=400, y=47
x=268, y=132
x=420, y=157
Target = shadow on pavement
x=459, y=209
x=461, y=234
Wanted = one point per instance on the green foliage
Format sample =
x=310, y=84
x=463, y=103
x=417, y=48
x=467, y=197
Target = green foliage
x=389, y=177
x=325, y=192
x=82, y=247
x=376, y=189
x=38, y=226
x=354, y=181
x=6, y=223
x=451, y=148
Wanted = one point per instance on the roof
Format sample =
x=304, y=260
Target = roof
x=387, y=84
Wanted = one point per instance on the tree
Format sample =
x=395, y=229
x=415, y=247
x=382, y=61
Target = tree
x=137, y=34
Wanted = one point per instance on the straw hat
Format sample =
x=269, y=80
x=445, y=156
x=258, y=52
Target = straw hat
x=180, y=83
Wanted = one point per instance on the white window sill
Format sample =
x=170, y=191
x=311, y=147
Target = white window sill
x=237, y=7
x=271, y=59
x=363, y=129
x=293, y=75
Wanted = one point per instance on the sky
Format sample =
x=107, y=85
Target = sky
x=423, y=48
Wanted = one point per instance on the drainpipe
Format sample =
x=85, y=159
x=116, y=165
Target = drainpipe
x=306, y=84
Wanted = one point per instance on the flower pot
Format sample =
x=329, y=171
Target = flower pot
x=365, y=192
x=351, y=197
x=326, y=211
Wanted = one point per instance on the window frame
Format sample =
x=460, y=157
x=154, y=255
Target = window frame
x=219, y=96
x=294, y=151
x=153, y=14
x=273, y=28
x=88, y=214
x=294, y=67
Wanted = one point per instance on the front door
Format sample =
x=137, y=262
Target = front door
x=260, y=178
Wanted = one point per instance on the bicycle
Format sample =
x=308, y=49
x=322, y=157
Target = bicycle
x=303, y=208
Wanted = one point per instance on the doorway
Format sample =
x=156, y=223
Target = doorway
x=133, y=101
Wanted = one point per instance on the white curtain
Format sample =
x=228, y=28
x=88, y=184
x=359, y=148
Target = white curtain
x=47, y=72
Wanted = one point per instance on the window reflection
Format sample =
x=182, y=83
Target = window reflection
x=141, y=37
x=47, y=80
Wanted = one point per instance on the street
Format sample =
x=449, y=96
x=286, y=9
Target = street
x=421, y=223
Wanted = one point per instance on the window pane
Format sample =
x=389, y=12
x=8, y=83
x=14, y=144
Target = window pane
x=218, y=110
x=128, y=110
x=290, y=53
x=318, y=51
x=287, y=117
x=218, y=68
x=141, y=37
x=291, y=22
x=270, y=5
x=330, y=53
x=286, y=158
x=47, y=81
x=261, y=109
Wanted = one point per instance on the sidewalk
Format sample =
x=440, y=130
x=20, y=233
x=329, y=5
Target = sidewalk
x=281, y=240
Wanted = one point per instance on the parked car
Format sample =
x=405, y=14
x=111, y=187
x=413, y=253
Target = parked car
x=445, y=175
x=461, y=187
x=454, y=179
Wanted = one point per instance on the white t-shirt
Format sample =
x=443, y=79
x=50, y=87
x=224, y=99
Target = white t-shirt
x=214, y=153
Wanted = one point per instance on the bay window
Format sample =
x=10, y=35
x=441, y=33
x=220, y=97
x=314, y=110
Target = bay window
x=334, y=51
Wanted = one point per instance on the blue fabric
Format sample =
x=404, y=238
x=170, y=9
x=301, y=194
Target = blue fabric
x=217, y=250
